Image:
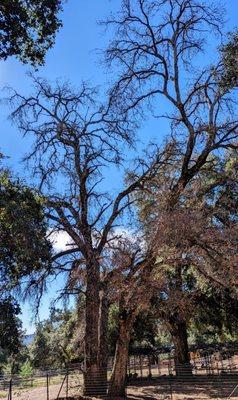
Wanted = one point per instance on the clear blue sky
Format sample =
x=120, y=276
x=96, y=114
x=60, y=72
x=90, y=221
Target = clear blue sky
x=73, y=58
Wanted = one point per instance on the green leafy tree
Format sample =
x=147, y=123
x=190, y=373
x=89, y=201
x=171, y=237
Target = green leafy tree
x=10, y=331
x=229, y=52
x=39, y=351
x=58, y=340
x=24, y=248
x=26, y=369
x=145, y=330
x=215, y=319
x=24, y=253
x=28, y=28
x=143, y=334
x=198, y=249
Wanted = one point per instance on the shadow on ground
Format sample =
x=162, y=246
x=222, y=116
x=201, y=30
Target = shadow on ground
x=183, y=391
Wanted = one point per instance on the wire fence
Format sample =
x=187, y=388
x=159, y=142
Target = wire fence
x=49, y=385
x=202, y=363
x=209, y=375
x=154, y=377
x=186, y=386
x=68, y=385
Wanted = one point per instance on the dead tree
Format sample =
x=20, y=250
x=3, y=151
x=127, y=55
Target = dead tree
x=75, y=143
x=198, y=253
x=156, y=44
x=132, y=286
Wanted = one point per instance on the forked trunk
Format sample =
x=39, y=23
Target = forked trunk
x=117, y=385
x=92, y=375
x=182, y=356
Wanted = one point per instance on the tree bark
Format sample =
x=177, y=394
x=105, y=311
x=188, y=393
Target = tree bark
x=182, y=356
x=117, y=383
x=92, y=383
x=103, y=337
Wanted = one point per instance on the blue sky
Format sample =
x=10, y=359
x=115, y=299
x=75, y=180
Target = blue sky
x=74, y=58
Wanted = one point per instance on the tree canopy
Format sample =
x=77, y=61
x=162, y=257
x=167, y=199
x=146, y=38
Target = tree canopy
x=24, y=247
x=230, y=61
x=28, y=28
x=10, y=328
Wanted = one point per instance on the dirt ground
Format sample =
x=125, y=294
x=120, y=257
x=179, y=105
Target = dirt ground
x=148, y=392
x=180, y=392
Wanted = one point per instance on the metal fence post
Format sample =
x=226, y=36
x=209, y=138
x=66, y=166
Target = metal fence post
x=47, y=387
x=67, y=384
x=219, y=378
x=10, y=390
x=171, y=387
x=233, y=391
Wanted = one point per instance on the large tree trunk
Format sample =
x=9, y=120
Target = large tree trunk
x=103, y=337
x=179, y=333
x=182, y=356
x=92, y=379
x=117, y=383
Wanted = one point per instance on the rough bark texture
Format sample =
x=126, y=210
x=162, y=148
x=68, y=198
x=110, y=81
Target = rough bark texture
x=118, y=379
x=92, y=384
x=182, y=357
x=103, y=336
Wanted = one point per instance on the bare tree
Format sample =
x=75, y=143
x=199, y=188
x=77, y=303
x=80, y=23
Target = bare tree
x=76, y=141
x=156, y=44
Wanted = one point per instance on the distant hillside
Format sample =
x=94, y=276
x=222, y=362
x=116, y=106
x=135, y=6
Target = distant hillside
x=28, y=339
